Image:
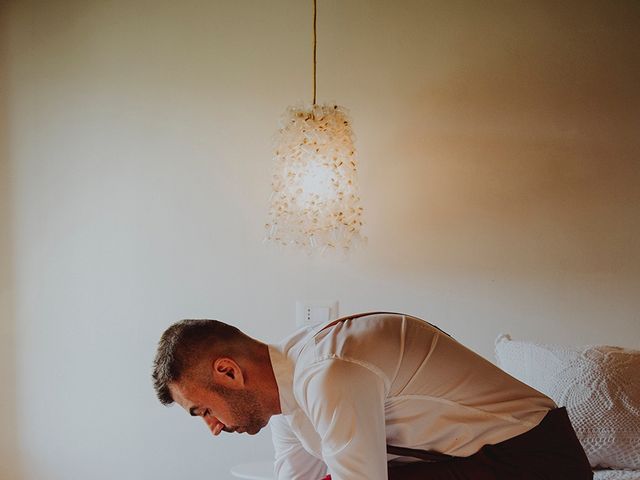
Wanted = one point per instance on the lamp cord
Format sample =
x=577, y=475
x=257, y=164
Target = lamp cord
x=315, y=15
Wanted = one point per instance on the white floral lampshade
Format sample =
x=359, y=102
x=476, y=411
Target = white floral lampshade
x=315, y=202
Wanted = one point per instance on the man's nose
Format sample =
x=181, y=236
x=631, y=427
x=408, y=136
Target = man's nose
x=210, y=420
x=214, y=424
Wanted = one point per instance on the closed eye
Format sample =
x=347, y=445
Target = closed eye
x=193, y=411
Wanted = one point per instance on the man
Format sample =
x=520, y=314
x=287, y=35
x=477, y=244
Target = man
x=371, y=396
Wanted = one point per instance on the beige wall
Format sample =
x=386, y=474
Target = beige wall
x=9, y=463
x=500, y=164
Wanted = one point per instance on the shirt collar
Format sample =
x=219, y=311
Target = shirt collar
x=283, y=371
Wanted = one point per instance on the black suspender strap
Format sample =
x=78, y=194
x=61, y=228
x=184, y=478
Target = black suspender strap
x=426, y=455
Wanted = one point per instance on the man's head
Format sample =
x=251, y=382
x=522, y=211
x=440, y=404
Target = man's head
x=215, y=371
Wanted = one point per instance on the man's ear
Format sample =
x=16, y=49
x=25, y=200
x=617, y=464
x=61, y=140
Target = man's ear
x=228, y=373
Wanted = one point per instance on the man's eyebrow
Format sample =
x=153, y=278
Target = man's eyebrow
x=192, y=411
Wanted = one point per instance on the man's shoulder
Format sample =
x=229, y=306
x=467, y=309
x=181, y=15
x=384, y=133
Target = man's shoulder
x=373, y=339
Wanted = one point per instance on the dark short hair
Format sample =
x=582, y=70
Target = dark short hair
x=183, y=344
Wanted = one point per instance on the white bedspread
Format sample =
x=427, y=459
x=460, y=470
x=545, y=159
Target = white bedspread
x=616, y=475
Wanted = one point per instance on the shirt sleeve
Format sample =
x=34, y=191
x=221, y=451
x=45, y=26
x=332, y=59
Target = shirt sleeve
x=292, y=461
x=345, y=403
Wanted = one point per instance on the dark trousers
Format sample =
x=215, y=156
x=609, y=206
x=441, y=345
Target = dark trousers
x=549, y=451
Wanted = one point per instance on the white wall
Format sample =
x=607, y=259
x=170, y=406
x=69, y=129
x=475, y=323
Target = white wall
x=9, y=467
x=500, y=163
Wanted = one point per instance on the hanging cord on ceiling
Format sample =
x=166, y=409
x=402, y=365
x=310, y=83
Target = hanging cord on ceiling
x=315, y=15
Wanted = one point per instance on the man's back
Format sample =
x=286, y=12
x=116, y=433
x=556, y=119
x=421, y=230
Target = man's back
x=391, y=379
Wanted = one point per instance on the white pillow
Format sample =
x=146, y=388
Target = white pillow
x=599, y=385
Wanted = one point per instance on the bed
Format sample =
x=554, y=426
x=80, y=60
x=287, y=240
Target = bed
x=600, y=387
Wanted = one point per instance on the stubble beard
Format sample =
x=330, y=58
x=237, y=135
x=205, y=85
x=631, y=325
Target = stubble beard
x=245, y=408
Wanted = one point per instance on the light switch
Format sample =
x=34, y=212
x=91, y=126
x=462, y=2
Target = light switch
x=310, y=313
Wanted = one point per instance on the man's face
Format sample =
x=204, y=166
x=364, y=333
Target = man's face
x=221, y=408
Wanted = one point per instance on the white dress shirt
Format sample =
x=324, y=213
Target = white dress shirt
x=349, y=389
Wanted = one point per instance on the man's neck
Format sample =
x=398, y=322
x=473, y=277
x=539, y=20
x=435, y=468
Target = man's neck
x=269, y=385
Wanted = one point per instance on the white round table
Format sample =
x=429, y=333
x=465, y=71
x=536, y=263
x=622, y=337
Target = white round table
x=254, y=471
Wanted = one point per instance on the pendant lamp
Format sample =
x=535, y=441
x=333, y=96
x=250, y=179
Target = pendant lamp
x=315, y=203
